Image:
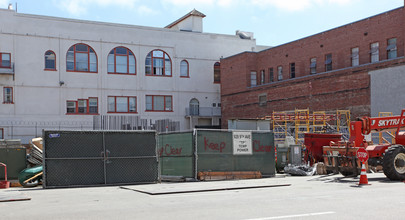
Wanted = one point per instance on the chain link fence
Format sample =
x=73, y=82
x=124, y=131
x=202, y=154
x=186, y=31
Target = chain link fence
x=90, y=158
x=26, y=130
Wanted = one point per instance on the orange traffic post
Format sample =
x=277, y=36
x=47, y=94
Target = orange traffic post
x=363, y=176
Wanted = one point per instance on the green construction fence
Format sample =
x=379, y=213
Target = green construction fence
x=187, y=153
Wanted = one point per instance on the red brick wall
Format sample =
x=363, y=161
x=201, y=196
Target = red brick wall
x=342, y=88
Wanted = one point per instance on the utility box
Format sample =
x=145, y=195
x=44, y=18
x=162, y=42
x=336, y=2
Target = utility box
x=282, y=156
x=288, y=153
x=295, y=154
x=14, y=156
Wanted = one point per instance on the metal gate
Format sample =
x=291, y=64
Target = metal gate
x=90, y=158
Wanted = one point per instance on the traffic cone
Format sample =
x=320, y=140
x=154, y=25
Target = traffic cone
x=363, y=176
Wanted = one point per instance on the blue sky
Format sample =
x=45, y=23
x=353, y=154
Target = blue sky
x=273, y=22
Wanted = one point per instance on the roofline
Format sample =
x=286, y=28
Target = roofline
x=240, y=54
x=63, y=19
x=319, y=33
x=183, y=18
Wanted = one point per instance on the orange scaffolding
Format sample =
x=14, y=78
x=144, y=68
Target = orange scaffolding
x=300, y=121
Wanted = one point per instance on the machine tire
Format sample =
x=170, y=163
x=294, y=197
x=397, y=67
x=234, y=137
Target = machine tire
x=394, y=162
x=348, y=173
x=353, y=172
x=32, y=183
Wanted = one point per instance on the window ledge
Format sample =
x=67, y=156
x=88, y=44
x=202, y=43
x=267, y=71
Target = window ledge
x=184, y=76
x=50, y=69
x=8, y=102
x=131, y=74
x=82, y=114
x=76, y=71
x=122, y=112
x=157, y=111
x=158, y=75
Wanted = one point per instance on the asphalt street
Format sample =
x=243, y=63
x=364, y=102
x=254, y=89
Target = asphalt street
x=315, y=197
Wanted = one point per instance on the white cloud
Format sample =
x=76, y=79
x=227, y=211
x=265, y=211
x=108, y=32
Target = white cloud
x=4, y=3
x=298, y=5
x=285, y=5
x=79, y=7
x=226, y=3
x=289, y=5
x=74, y=7
x=222, y=3
x=145, y=10
x=188, y=2
x=342, y=2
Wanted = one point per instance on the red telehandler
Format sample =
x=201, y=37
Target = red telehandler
x=341, y=156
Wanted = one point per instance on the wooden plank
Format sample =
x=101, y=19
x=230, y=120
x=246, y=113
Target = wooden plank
x=37, y=175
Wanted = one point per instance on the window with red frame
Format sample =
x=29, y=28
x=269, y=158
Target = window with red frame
x=121, y=60
x=158, y=63
x=1, y=133
x=217, y=72
x=121, y=104
x=82, y=106
x=5, y=60
x=8, y=95
x=81, y=58
x=50, y=60
x=184, y=71
x=160, y=103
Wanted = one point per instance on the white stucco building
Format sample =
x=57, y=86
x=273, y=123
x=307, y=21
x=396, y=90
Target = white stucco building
x=58, y=73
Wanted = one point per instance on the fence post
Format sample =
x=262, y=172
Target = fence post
x=194, y=140
x=36, y=129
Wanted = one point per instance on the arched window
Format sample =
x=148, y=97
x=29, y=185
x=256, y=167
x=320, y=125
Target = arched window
x=81, y=58
x=184, y=69
x=217, y=72
x=121, y=60
x=50, y=60
x=194, y=107
x=158, y=63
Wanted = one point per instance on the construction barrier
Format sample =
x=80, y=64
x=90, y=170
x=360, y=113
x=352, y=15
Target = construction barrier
x=90, y=158
x=188, y=153
x=176, y=154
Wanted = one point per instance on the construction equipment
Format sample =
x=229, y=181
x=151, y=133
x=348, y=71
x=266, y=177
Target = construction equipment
x=341, y=156
x=31, y=177
x=314, y=143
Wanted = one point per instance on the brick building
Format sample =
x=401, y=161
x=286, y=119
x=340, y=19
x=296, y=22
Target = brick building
x=326, y=71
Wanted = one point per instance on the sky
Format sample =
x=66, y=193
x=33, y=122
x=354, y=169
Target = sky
x=273, y=22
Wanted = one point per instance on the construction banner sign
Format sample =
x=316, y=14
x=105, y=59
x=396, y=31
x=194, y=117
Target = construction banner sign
x=242, y=142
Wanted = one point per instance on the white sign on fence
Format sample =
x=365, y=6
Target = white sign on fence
x=242, y=142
